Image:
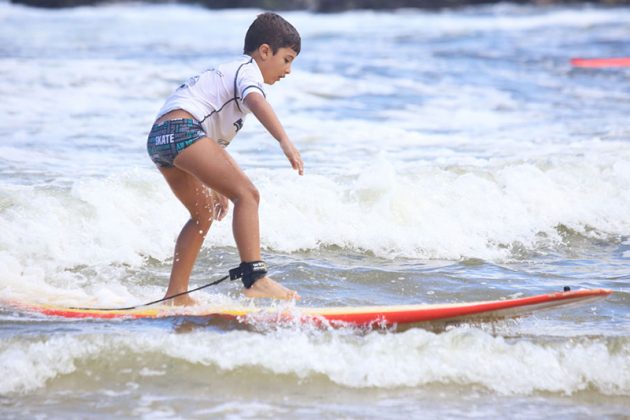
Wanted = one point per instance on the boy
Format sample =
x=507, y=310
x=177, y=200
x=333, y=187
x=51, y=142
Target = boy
x=187, y=145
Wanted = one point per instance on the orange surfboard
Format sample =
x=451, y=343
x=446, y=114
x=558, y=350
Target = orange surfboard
x=360, y=315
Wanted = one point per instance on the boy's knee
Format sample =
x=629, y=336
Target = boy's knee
x=255, y=194
x=248, y=194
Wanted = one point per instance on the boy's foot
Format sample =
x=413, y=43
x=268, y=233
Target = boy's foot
x=183, y=300
x=267, y=288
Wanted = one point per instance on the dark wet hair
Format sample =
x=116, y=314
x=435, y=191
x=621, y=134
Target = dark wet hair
x=271, y=29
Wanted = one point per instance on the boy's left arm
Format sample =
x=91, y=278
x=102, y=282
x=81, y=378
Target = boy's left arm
x=267, y=117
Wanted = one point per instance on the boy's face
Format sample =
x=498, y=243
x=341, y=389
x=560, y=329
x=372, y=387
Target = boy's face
x=274, y=66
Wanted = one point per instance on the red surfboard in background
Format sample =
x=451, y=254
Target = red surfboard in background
x=601, y=63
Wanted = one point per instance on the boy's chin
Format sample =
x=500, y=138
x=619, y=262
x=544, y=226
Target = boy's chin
x=272, y=81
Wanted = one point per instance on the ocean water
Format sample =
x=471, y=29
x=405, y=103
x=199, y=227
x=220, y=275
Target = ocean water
x=450, y=156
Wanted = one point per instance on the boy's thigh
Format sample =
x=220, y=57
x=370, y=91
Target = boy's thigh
x=214, y=167
x=192, y=193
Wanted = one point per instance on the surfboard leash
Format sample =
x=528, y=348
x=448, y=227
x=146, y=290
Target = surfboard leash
x=214, y=283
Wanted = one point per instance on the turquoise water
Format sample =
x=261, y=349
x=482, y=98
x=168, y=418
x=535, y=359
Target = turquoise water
x=450, y=156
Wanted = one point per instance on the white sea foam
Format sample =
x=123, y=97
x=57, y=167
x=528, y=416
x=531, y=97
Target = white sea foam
x=416, y=358
x=25, y=366
x=442, y=212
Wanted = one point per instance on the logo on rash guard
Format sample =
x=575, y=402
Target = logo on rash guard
x=238, y=124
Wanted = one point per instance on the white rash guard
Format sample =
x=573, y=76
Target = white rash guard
x=216, y=97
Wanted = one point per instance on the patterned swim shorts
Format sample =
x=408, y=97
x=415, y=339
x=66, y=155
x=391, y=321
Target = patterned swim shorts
x=168, y=138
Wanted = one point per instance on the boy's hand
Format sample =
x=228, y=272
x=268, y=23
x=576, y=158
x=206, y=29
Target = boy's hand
x=292, y=153
x=220, y=206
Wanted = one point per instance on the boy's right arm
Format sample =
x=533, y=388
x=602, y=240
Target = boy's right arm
x=267, y=117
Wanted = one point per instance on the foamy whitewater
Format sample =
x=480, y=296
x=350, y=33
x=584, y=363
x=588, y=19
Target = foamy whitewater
x=450, y=156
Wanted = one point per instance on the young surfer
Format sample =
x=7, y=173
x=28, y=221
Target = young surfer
x=187, y=144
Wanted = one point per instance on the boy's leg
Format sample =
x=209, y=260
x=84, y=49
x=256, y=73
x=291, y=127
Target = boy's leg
x=214, y=167
x=196, y=198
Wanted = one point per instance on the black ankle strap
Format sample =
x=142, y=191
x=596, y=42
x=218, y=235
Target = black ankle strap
x=249, y=272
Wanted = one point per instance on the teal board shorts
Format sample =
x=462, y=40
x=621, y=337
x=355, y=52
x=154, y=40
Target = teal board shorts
x=168, y=138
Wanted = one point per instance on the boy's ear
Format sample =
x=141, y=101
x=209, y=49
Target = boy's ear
x=265, y=51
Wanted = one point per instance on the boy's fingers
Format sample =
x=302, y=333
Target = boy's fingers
x=295, y=160
x=298, y=165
